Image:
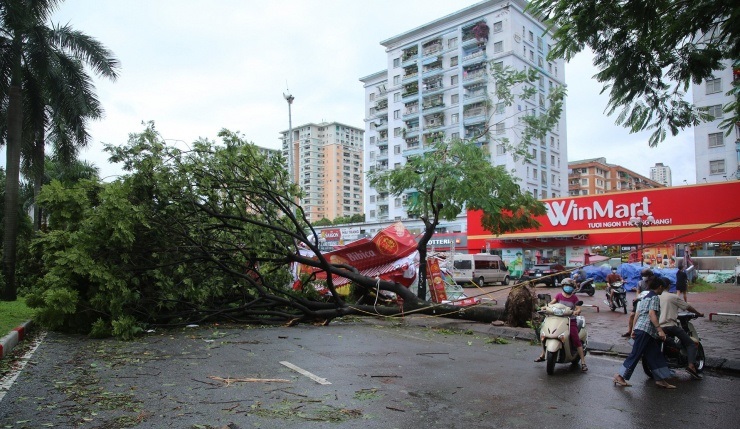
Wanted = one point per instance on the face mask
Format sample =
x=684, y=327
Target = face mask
x=568, y=289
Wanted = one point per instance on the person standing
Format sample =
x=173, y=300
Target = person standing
x=641, y=290
x=682, y=282
x=669, y=305
x=646, y=333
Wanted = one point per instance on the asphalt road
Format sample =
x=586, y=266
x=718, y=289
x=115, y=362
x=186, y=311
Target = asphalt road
x=382, y=375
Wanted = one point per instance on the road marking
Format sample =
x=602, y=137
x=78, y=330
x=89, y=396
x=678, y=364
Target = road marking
x=313, y=377
x=23, y=360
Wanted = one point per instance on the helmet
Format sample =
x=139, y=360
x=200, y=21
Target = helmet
x=567, y=281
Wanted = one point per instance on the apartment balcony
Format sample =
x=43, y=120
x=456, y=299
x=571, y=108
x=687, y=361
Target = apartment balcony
x=409, y=77
x=382, y=155
x=380, y=125
x=411, y=109
x=432, y=47
x=410, y=54
x=478, y=75
x=411, y=131
x=381, y=105
x=475, y=57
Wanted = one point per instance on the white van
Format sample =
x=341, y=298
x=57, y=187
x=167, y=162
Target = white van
x=479, y=268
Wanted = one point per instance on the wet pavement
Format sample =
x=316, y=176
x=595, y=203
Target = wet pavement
x=720, y=336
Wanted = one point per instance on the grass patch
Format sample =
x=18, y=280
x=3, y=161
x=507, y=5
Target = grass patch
x=12, y=314
x=701, y=285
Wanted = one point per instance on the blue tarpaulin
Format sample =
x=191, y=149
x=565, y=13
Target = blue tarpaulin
x=630, y=273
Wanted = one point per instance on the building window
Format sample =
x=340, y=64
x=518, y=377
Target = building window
x=716, y=140
x=453, y=79
x=397, y=149
x=539, y=43
x=715, y=111
x=372, y=140
x=396, y=62
x=498, y=47
x=500, y=128
x=372, y=198
x=397, y=96
x=501, y=149
x=717, y=166
x=498, y=27
x=454, y=98
x=531, y=36
x=453, y=61
x=584, y=182
x=455, y=136
x=452, y=43
x=372, y=213
x=455, y=118
x=397, y=130
x=397, y=79
x=396, y=114
x=714, y=86
x=397, y=202
x=372, y=96
x=500, y=107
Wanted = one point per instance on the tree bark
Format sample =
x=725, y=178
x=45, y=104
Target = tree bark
x=12, y=165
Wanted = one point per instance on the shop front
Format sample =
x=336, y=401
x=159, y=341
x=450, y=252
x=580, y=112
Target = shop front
x=646, y=225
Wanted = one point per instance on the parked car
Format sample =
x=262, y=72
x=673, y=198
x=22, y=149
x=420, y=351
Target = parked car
x=549, y=274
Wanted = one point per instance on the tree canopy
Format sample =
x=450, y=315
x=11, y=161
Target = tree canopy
x=450, y=176
x=648, y=53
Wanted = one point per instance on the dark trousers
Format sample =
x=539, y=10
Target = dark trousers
x=685, y=339
x=645, y=347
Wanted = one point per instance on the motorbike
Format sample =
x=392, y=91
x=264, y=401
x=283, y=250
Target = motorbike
x=674, y=352
x=587, y=287
x=555, y=335
x=618, y=297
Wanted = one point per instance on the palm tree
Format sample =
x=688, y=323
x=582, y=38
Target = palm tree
x=30, y=49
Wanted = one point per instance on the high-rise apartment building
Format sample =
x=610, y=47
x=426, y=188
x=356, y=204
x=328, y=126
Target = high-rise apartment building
x=596, y=176
x=661, y=174
x=328, y=166
x=716, y=155
x=437, y=87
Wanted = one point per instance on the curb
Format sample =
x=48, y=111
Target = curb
x=8, y=342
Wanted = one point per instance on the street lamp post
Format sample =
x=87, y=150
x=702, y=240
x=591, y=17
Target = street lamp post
x=639, y=221
x=289, y=98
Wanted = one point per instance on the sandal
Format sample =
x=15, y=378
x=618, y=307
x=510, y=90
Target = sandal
x=627, y=335
x=540, y=359
x=584, y=368
x=620, y=381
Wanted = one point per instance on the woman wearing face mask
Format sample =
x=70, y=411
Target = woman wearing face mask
x=569, y=299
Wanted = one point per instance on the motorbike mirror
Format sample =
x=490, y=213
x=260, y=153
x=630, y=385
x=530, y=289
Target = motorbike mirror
x=579, y=303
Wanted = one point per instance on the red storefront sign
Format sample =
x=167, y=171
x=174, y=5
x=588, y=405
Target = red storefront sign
x=333, y=234
x=696, y=213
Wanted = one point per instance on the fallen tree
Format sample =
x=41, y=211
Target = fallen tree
x=207, y=234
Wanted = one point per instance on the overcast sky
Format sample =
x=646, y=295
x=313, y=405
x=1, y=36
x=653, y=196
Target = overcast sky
x=195, y=67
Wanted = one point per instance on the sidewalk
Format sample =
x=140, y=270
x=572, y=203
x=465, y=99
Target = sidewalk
x=720, y=336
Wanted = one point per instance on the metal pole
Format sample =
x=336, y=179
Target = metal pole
x=642, y=248
x=289, y=98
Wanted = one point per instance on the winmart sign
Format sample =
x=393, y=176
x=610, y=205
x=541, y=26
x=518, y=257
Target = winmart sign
x=682, y=214
x=601, y=214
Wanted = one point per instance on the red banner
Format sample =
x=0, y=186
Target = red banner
x=436, y=282
x=388, y=245
x=682, y=214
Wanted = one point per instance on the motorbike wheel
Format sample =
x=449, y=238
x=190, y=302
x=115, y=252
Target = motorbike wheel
x=551, y=362
x=646, y=368
x=700, y=358
x=591, y=292
x=612, y=304
x=623, y=303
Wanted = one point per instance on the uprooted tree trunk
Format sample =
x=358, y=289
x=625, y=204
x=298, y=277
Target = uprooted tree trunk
x=233, y=213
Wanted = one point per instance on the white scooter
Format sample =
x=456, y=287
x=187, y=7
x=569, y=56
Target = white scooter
x=555, y=335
